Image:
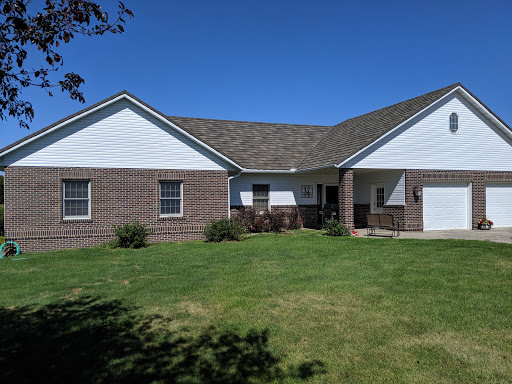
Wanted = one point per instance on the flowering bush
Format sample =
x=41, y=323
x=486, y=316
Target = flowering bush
x=485, y=221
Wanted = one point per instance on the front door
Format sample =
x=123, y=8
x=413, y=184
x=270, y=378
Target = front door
x=377, y=193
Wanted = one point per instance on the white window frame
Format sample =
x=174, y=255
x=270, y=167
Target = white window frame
x=64, y=198
x=454, y=123
x=169, y=198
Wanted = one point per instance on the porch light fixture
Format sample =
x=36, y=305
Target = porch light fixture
x=417, y=192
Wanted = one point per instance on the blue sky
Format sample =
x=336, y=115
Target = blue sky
x=307, y=62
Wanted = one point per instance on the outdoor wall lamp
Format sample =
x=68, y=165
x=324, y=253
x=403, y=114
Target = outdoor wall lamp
x=417, y=192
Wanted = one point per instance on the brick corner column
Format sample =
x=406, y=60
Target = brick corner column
x=346, y=197
x=479, y=198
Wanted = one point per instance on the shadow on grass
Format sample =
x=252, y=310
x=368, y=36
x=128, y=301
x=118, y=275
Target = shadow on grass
x=92, y=340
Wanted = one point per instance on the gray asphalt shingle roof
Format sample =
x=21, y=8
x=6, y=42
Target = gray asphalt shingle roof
x=255, y=145
x=284, y=146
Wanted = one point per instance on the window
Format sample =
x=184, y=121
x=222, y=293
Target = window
x=76, y=199
x=306, y=191
x=171, y=201
x=260, y=200
x=380, y=196
x=454, y=123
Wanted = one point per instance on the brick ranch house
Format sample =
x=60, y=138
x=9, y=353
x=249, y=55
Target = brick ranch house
x=121, y=160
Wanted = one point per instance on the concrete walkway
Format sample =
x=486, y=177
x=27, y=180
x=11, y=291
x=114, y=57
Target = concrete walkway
x=498, y=235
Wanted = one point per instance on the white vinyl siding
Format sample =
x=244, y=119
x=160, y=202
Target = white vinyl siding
x=499, y=204
x=120, y=135
x=285, y=189
x=445, y=206
x=394, y=186
x=427, y=143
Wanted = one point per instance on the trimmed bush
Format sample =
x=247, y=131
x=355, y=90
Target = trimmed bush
x=276, y=220
x=334, y=228
x=246, y=217
x=295, y=220
x=223, y=230
x=2, y=240
x=269, y=221
x=130, y=235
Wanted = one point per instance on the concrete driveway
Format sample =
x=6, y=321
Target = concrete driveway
x=498, y=235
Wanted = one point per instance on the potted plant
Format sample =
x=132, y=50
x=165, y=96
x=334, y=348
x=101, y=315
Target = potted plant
x=485, y=223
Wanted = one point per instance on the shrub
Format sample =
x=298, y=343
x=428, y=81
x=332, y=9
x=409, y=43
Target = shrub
x=2, y=240
x=246, y=217
x=276, y=220
x=223, y=229
x=334, y=228
x=295, y=220
x=130, y=235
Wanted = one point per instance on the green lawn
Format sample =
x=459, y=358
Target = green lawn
x=273, y=308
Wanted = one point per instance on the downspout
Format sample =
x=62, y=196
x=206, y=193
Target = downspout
x=229, y=192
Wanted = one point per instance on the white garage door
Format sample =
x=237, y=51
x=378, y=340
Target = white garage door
x=499, y=204
x=445, y=206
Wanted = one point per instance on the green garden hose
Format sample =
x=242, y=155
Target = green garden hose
x=7, y=249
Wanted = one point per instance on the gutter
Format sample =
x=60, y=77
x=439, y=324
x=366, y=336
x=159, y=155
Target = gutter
x=287, y=171
x=229, y=192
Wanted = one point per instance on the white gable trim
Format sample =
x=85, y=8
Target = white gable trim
x=138, y=104
x=473, y=101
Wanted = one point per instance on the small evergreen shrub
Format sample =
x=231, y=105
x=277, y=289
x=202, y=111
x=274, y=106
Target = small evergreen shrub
x=334, y=228
x=295, y=220
x=130, y=235
x=223, y=230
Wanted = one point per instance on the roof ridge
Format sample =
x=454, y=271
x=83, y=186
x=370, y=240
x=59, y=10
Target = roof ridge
x=248, y=122
x=314, y=146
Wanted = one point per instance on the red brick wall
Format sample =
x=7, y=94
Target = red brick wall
x=413, y=210
x=346, y=197
x=33, y=205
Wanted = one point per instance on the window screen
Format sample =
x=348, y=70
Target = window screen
x=76, y=199
x=260, y=197
x=171, y=198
